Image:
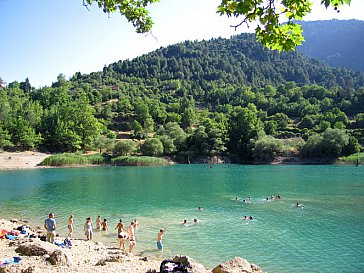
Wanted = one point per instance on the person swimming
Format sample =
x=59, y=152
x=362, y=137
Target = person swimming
x=298, y=205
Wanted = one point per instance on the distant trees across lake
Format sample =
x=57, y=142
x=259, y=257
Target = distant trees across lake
x=223, y=97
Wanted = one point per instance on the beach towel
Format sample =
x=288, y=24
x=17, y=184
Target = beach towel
x=3, y=232
x=10, y=237
x=6, y=261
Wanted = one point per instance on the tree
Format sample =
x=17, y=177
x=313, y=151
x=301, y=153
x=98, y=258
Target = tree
x=271, y=30
x=152, y=147
x=267, y=147
x=125, y=147
x=327, y=145
x=5, y=138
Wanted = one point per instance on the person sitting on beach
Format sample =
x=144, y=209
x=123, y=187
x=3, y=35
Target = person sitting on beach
x=70, y=226
x=98, y=222
x=122, y=236
x=131, y=234
x=88, y=228
x=104, y=225
x=120, y=226
x=159, y=239
x=50, y=226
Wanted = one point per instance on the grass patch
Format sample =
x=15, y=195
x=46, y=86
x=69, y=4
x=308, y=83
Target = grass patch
x=139, y=161
x=66, y=159
x=352, y=159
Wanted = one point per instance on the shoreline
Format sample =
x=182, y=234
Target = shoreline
x=29, y=160
x=85, y=256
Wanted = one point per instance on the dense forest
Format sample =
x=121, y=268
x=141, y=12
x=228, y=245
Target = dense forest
x=224, y=97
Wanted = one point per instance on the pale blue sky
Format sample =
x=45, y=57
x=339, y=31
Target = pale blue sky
x=43, y=38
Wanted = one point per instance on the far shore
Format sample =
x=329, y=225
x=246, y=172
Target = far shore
x=31, y=160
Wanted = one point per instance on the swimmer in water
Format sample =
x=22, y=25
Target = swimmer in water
x=298, y=205
x=184, y=222
x=245, y=217
x=196, y=221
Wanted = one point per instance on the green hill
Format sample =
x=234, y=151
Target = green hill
x=222, y=97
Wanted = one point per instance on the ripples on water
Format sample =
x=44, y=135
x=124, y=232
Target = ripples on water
x=326, y=235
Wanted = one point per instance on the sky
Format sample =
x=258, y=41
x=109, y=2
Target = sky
x=40, y=39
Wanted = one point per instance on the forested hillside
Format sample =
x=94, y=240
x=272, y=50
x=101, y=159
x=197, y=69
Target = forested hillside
x=226, y=97
x=337, y=42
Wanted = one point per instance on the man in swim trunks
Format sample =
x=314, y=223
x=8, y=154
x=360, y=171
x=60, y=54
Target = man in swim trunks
x=159, y=239
x=50, y=226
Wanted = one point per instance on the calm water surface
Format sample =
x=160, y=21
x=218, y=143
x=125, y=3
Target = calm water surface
x=326, y=235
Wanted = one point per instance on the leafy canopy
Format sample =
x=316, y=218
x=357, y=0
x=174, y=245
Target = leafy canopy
x=276, y=28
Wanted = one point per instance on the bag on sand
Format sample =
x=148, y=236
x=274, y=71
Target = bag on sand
x=169, y=266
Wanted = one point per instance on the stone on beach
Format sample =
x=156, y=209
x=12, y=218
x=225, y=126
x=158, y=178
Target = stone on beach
x=237, y=265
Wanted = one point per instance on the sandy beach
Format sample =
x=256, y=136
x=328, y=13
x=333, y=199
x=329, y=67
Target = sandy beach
x=84, y=256
x=21, y=160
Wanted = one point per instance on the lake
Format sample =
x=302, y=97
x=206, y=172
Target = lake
x=325, y=235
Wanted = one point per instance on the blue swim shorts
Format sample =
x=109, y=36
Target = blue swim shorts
x=160, y=245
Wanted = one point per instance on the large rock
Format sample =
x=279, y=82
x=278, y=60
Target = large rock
x=58, y=257
x=36, y=249
x=190, y=263
x=236, y=265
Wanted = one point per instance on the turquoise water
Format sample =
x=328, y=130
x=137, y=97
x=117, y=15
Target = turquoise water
x=326, y=235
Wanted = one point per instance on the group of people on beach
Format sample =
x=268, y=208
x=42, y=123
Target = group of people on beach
x=124, y=234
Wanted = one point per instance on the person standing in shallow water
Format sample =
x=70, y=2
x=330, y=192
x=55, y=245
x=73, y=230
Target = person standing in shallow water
x=131, y=233
x=160, y=238
x=104, y=225
x=120, y=226
x=50, y=226
x=70, y=226
x=98, y=222
x=88, y=228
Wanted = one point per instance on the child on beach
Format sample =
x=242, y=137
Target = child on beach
x=159, y=239
x=88, y=228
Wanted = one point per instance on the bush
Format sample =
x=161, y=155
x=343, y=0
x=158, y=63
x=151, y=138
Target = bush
x=267, y=147
x=139, y=161
x=124, y=147
x=74, y=159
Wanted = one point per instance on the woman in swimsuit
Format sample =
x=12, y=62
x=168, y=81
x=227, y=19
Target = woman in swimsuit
x=88, y=228
x=120, y=226
x=70, y=226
